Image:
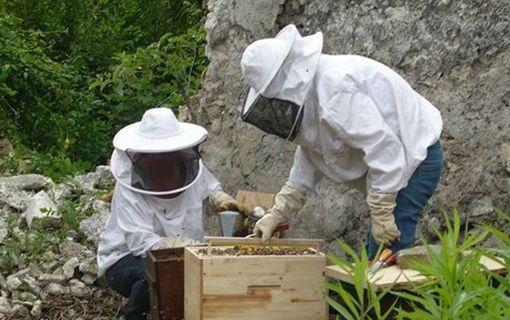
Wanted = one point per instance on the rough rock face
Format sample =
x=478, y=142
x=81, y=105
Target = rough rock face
x=455, y=53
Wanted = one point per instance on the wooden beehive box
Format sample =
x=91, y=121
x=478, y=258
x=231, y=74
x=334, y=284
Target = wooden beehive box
x=253, y=287
x=165, y=275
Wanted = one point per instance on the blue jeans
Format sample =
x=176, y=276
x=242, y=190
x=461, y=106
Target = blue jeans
x=127, y=277
x=412, y=199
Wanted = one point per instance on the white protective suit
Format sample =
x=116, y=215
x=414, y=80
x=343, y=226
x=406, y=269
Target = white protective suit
x=138, y=221
x=361, y=121
x=361, y=118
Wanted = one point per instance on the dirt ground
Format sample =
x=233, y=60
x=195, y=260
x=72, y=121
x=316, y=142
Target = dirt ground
x=103, y=305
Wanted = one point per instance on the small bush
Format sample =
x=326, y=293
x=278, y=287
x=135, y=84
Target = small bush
x=166, y=72
x=73, y=73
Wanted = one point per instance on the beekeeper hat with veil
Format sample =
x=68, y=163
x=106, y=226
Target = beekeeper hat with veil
x=280, y=73
x=158, y=155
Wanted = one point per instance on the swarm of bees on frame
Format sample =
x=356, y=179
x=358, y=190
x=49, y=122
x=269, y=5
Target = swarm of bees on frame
x=246, y=250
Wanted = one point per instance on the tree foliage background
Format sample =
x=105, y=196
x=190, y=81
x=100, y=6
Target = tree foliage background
x=73, y=72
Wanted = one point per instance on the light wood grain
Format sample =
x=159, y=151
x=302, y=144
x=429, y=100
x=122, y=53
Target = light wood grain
x=192, y=286
x=400, y=278
x=253, y=199
x=258, y=287
x=226, y=241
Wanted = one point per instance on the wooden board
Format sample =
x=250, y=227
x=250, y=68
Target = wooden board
x=192, y=286
x=253, y=199
x=228, y=241
x=254, y=287
x=400, y=278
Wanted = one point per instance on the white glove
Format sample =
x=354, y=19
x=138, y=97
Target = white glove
x=384, y=230
x=177, y=242
x=265, y=227
x=286, y=202
x=222, y=201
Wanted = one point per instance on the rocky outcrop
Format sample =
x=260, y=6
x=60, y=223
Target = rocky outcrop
x=41, y=283
x=456, y=53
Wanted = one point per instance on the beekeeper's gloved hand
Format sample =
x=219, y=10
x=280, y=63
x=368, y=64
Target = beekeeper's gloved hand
x=384, y=230
x=286, y=202
x=221, y=201
x=177, y=242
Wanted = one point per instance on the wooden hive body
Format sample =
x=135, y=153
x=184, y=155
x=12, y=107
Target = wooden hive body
x=253, y=287
x=165, y=275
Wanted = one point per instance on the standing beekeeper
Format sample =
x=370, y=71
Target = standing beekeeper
x=355, y=121
x=161, y=184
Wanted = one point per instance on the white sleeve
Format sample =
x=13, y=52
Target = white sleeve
x=357, y=121
x=208, y=183
x=136, y=226
x=303, y=174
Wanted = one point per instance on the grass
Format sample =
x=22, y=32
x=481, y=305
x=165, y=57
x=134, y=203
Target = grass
x=459, y=287
x=359, y=301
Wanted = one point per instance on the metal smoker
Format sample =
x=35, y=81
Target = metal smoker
x=230, y=222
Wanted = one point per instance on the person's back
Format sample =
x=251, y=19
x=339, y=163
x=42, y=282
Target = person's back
x=354, y=96
x=407, y=114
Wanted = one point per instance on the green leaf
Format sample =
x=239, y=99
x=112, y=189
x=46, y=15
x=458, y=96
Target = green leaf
x=341, y=309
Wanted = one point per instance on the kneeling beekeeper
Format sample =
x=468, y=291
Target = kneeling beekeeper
x=353, y=120
x=161, y=185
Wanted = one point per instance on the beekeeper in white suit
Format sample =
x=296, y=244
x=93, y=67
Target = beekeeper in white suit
x=354, y=120
x=161, y=184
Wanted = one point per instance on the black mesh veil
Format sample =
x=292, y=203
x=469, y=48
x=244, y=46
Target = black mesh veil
x=274, y=116
x=166, y=171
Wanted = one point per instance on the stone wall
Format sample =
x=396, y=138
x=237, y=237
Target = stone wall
x=455, y=53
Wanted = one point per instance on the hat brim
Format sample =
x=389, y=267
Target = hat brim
x=128, y=138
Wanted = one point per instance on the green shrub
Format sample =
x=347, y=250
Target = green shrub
x=88, y=33
x=21, y=248
x=59, y=112
x=109, y=27
x=9, y=165
x=43, y=103
x=167, y=71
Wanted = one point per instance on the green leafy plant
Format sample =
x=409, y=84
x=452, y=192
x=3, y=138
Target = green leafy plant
x=501, y=253
x=459, y=287
x=20, y=248
x=359, y=300
x=167, y=71
x=56, y=165
x=88, y=33
x=71, y=217
x=9, y=164
x=503, y=248
x=74, y=72
x=43, y=104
